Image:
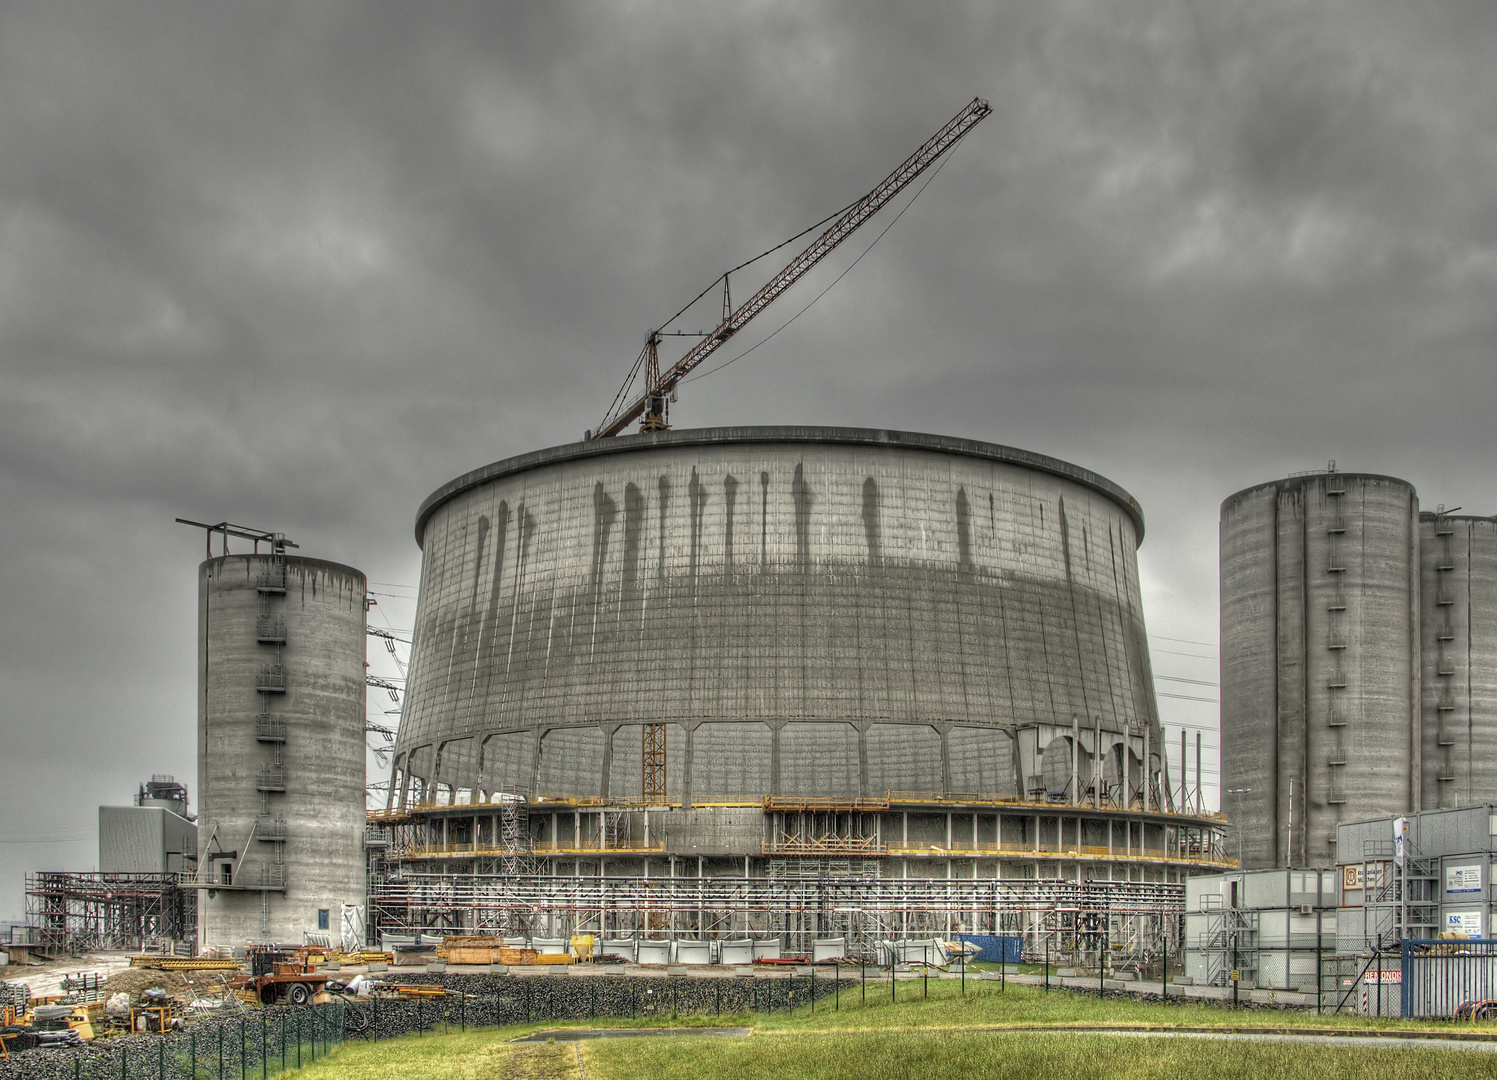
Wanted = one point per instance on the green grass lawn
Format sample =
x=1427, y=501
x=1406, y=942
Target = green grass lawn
x=936, y=1056
x=791, y=1055
x=986, y=1004
x=917, y=1038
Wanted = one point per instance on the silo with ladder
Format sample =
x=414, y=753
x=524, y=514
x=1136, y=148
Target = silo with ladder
x=1458, y=578
x=1320, y=660
x=281, y=692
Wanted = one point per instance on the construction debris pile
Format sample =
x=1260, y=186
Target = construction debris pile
x=224, y=1047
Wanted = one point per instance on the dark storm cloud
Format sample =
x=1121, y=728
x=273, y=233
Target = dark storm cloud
x=299, y=264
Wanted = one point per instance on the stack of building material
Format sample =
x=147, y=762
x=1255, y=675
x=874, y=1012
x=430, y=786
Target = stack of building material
x=469, y=949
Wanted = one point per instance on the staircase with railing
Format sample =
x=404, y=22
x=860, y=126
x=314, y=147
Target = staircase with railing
x=1402, y=901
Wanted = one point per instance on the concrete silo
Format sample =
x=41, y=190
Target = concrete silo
x=280, y=747
x=1458, y=586
x=1320, y=661
x=778, y=653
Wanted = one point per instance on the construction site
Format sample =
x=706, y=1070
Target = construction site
x=800, y=683
x=808, y=685
x=828, y=880
x=769, y=694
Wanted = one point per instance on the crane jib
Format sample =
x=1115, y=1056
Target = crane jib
x=845, y=225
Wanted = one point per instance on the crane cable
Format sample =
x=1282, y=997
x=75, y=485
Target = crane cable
x=934, y=173
x=623, y=390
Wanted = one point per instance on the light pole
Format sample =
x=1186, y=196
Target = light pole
x=1233, y=924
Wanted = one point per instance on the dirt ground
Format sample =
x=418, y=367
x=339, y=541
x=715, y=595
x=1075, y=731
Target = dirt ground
x=118, y=975
x=46, y=978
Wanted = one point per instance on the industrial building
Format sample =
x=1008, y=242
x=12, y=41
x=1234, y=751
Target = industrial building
x=1458, y=659
x=280, y=743
x=135, y=899
x=1358, y=660
x=1273, y=927
x=793, y=681
x=154, y=836
x=1438, y=880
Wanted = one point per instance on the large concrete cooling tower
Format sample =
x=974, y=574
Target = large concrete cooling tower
x=683, y=684
x=808, y=611
x=1319, y=661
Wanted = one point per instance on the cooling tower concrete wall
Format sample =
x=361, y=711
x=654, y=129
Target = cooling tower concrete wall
x=809, y=611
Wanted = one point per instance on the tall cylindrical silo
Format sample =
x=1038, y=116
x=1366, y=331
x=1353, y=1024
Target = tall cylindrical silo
x=1319, y=660
x=280, y=747
x=1458, y=580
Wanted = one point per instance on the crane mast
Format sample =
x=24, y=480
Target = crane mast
x=650, y=407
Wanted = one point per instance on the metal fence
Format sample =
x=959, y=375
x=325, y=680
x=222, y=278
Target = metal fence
x=260, y=1043
x=501, y=1000
x=1449, y=979
x=248, y=1046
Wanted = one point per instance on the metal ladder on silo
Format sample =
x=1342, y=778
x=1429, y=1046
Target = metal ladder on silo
x=1445, y=666
x=270, y=729
x=1336, y=636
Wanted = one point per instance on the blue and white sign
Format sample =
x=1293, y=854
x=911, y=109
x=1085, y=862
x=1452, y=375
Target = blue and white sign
x=1463, y=879
x=1466, y=922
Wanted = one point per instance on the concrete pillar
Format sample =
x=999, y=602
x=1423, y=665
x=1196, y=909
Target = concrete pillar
x=1075, y=759
x=1148, y=764
x=1097, y=762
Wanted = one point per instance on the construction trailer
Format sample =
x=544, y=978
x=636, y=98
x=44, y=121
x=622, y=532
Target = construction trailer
x=1415, y=877
x=1274, y=928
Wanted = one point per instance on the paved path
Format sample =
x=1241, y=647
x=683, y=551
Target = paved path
x=578, y=1034
x=1477, y=1042
x=1479, y=1046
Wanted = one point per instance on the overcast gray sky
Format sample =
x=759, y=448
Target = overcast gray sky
x=296, y=265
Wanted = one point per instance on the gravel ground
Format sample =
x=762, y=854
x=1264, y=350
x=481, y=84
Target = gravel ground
x=256, y=1042
x=518, y=999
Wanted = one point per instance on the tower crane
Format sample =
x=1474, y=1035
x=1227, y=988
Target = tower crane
x=650, y=408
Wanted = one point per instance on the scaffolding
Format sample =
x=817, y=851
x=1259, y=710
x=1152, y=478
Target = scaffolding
x=856, y=905
x=72, y=913
x=652, y=767
x=516, y=858
x=1077, y=880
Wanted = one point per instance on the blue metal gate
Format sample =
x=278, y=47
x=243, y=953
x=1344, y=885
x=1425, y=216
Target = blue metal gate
x=1449, y=979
